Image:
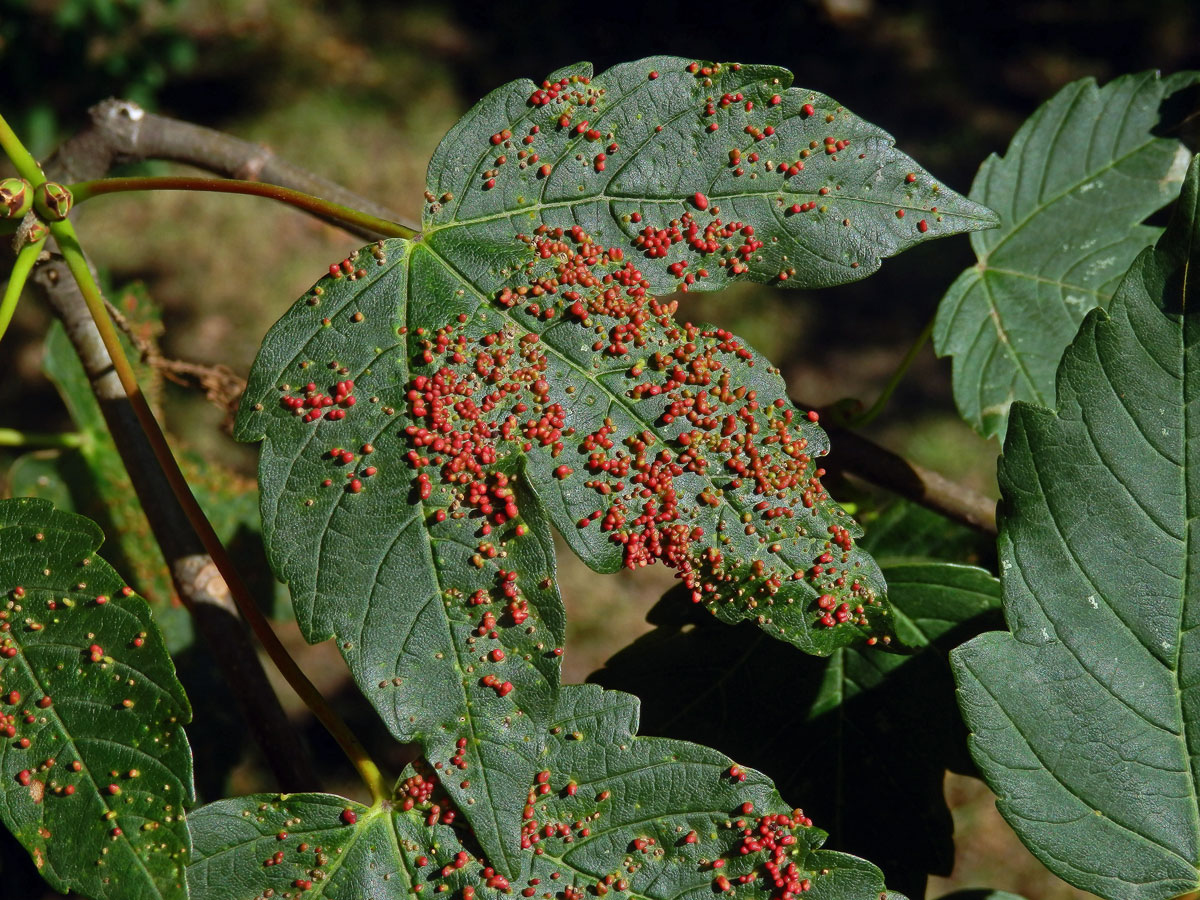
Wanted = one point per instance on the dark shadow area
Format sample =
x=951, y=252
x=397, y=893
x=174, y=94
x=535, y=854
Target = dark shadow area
x=391, y=755
x=218, y=737
x=18, y=874
x=865, y=769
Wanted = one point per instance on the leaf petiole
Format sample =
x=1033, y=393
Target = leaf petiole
x=64, y=234
x=335, y=212
x=885, y=395
x=68, y=243
x=26, y=258
x=65, y=440
x=27, y=167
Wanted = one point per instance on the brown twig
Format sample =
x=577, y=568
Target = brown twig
x=123, y=132
x=193, y=572
x=860, y=456
x=221, y=385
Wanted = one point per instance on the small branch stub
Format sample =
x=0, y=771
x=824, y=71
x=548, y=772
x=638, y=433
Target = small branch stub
x=16, y=198
x=54, y=201
x=30, y=230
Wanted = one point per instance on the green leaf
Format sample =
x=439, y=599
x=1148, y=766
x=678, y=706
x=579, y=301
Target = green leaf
x=401, y=399
x=506, y=303
x=96, y=765
x=1084, y=719
x=1078, y=179
x=645, y=143
x=420, y=608
x=452, y=634
x=859, y=725
x=642, y=818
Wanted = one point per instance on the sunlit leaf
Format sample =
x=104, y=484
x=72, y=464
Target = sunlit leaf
x=432, y=406
x=608, y=814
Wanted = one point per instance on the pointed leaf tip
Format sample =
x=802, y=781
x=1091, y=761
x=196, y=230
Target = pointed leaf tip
x=630, y=150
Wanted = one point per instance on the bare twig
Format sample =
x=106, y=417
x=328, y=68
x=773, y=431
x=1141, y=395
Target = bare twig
x=221, y=385
x=122, y=132
x=857, y=455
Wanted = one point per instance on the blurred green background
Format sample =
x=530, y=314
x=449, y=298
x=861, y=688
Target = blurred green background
x=361, y=92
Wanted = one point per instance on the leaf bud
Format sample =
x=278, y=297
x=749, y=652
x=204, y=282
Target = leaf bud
x=54, y=201
x=16, y=197
x=37, y=231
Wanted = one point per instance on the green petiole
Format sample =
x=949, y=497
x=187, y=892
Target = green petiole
x=26, y=258
x=64, y=440
x=86, y=190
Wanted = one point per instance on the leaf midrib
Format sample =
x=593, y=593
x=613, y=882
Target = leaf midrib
x=464, y=706
x=1189, y=526
x=1042, y=279
x=1049, y=769
x=632, y=156
x=604, y=197
x=1010, y=349
x=465, y=709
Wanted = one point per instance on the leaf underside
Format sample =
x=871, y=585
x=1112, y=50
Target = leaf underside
x=610, y=814
x=1072, y=190
x=1084, y=719
x=837, y=733
x=95, y=765
x=429, y=409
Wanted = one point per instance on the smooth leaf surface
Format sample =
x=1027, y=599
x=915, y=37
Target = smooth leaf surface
x=96, y=766
x=836, y=734
x=1072, y=190
x=644, y=818
x=1084, y=719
